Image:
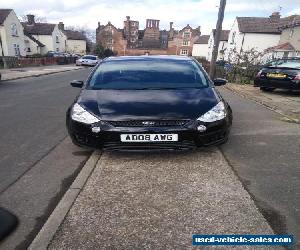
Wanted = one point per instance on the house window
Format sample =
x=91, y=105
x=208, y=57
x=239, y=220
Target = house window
x=133, y=32
x=14, y=30
x=133, y=24
x=184, y=52
x=132, y=40
x=57, y=49
x=232, y=38
x=28, y=50
x=17, y=49
x=57, y=39
x=187, y=34
x=110, y=41
x=185, y=43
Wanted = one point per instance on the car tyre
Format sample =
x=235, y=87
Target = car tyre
x=266, y=89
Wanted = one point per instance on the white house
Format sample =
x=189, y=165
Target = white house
x=75, y=41
x=47, y=34
x=222, y=44
x=11, y=34
x=200, y=47
x=289, y=42
x=257, y=33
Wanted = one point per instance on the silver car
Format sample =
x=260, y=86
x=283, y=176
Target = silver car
x=87, y=60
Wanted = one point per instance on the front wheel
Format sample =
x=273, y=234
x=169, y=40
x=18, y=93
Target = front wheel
x=267, y=89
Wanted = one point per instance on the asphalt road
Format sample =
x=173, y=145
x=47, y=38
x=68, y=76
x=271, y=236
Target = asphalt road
x=265, y=153
x=37, y=160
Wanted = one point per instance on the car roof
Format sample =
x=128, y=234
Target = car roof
x=148, y=58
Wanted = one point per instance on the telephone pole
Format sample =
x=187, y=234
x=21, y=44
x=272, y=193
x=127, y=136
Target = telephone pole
x=212, y=70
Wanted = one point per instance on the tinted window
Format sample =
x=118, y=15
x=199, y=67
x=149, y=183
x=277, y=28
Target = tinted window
x=89, y=57
x=288, y=63
x=143, y=74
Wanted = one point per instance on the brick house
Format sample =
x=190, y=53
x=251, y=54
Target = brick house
x=132, y=41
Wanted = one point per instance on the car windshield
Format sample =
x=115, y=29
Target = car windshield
x=286, y=63
x=148, y=74
x=89, y=57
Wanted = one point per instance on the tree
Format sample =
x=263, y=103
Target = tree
x=103, y=52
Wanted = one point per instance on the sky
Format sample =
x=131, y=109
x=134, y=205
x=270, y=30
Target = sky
x=87, y=13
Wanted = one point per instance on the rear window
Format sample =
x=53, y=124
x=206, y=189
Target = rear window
x=89, y=57
x=148, y=74
x=288, y=63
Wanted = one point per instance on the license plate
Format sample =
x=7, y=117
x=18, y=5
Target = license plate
x=276, y=75
x=148, y=137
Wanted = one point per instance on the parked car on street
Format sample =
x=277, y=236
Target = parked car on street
x=87, y=60
x=54, y=54
x=281, y=74
x=149, y=102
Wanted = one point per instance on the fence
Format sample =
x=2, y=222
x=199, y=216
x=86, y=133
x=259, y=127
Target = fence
x=243, y=74
x=15, y=62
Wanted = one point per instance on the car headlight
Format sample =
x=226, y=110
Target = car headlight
x=81, y=115
x=217, y=113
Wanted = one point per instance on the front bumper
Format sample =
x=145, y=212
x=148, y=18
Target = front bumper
x=277, y=83
x=188, y=136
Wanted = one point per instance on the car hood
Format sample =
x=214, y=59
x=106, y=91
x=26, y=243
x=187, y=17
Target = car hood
x=113, y=105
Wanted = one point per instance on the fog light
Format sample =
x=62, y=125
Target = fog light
x=201, y=128
x=96, y=129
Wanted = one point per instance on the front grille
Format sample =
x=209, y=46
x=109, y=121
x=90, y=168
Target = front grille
x=137, y=123
x=121, y=146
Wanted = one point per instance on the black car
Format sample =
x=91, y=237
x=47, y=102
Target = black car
x=281, y=74
x=148, y=102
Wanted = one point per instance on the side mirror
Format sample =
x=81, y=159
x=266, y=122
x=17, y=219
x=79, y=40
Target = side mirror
x=77, y=84
x=220, y=81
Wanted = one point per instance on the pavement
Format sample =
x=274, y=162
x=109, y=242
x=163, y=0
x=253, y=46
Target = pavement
x=17, y=73
x=264, y=151
x=157, y=201
x=284, y=102
x=38, y=162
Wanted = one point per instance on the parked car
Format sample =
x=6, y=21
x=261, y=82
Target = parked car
x=88, y=60
x=148, y=102
x=54, y=54
x=281, y=74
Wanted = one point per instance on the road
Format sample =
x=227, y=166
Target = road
x=37, y=160
x=265, y=153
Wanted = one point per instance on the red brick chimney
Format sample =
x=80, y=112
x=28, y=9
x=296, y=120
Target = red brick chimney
x=275, y=17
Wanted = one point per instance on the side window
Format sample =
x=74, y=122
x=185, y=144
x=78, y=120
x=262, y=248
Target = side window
x=57, y=39
x=232, y=38
x=17, y=49
x=14, y=30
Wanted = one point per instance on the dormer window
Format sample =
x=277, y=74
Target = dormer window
x=14, y=30
x=232, y=38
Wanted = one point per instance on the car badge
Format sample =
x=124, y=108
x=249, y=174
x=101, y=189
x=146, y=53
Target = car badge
x=148, y=123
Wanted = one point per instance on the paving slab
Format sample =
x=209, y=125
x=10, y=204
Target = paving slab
x=18, y=73
x=158, y=201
